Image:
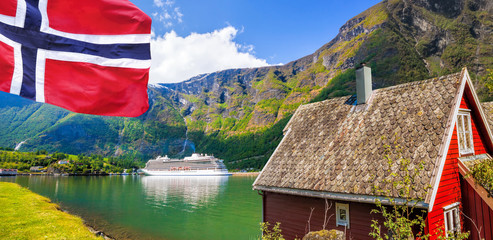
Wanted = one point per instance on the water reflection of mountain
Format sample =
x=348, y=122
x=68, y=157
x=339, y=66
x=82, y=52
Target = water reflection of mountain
x=193, y=190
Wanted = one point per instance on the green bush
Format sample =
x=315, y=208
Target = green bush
x=273, y=233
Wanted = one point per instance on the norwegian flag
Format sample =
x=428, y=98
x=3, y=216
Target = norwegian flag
x=88, y=56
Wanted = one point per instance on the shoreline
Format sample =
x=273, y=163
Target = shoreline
x=68, y=174
x=91, y=228
x=97, y=232
x=245, y=173
x=45, y=218
x=100, y=226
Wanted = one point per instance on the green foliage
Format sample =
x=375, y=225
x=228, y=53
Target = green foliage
x=318, y=67
x=80, y=164
x=452, y=236
x=273, y=233
x=269, y=105
x=377, y=15
x=23, y=161
x=132, y=130
x=273, y=80
x=394, y=63
x=242, y=151
x=341, y=85
x=192, y=98
x=155, y=131
x=487, y=91
x=400, y=218
x=21, y=122
x=466, y=49
x=483, y=174
x=489, y=79
x=461, y=53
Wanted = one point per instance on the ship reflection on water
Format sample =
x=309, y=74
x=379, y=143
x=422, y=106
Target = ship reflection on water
x=157, y=207
x=195, y=191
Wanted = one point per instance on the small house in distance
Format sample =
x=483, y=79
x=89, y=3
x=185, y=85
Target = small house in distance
x=334, y=150
x=8, y=172
x=63, y=161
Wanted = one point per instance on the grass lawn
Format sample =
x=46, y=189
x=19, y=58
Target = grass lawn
x=26, y=215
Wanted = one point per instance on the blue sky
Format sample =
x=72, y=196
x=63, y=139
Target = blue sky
x=193, y=37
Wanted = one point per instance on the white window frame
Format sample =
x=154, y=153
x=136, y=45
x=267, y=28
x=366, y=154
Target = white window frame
x=339, y=221
x=465, y=115
x=451, y=218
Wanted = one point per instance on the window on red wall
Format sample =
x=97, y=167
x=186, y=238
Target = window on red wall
x=342, y=214
x=464, y=132
x=452, y=219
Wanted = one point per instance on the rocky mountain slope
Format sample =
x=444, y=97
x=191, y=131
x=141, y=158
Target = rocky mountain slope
x=239, y=114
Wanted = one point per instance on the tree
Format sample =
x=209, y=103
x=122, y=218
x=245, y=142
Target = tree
x=402, y=219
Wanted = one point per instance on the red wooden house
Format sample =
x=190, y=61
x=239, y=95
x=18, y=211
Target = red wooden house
x=333, y=153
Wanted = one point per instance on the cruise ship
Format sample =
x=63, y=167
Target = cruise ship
x=195, y=165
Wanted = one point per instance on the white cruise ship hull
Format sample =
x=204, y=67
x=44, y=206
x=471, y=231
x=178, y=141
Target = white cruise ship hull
x=186, y=173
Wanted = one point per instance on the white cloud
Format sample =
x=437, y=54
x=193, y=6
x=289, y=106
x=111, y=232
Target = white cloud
x=178, y=15
x=161, y=3
x=166, y=14
x=175, y=58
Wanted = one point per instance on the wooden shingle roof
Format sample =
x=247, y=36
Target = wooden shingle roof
x=338, y=147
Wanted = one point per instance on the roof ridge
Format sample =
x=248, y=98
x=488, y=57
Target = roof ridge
x=399, y=86
x=420, y=81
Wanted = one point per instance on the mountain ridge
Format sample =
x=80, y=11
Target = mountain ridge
x=238, y=114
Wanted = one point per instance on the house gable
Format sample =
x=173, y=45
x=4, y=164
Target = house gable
x=466, y=99
x=447, y=190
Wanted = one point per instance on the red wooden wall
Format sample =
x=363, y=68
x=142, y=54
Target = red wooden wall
x=293, y=213
x=449, y=189
x=477, y=211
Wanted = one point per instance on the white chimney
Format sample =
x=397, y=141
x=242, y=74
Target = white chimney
x=363, y=84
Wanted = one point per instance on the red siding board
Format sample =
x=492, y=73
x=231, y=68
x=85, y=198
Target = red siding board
x=491, y=222
x=465, y=205
x=476, y=209
x=293, y=213
x=448, y=189
x=463, y=104
x=479, y=209
x=487, y=219
x=472, y=207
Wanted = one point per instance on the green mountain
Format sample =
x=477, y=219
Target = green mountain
x=239, y=114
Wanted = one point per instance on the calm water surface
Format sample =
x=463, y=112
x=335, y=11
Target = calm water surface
x=175, y=208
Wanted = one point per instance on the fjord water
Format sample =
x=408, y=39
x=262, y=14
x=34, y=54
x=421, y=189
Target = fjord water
x=135, y=207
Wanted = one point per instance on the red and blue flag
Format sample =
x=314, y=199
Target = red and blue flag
x=87, y=56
